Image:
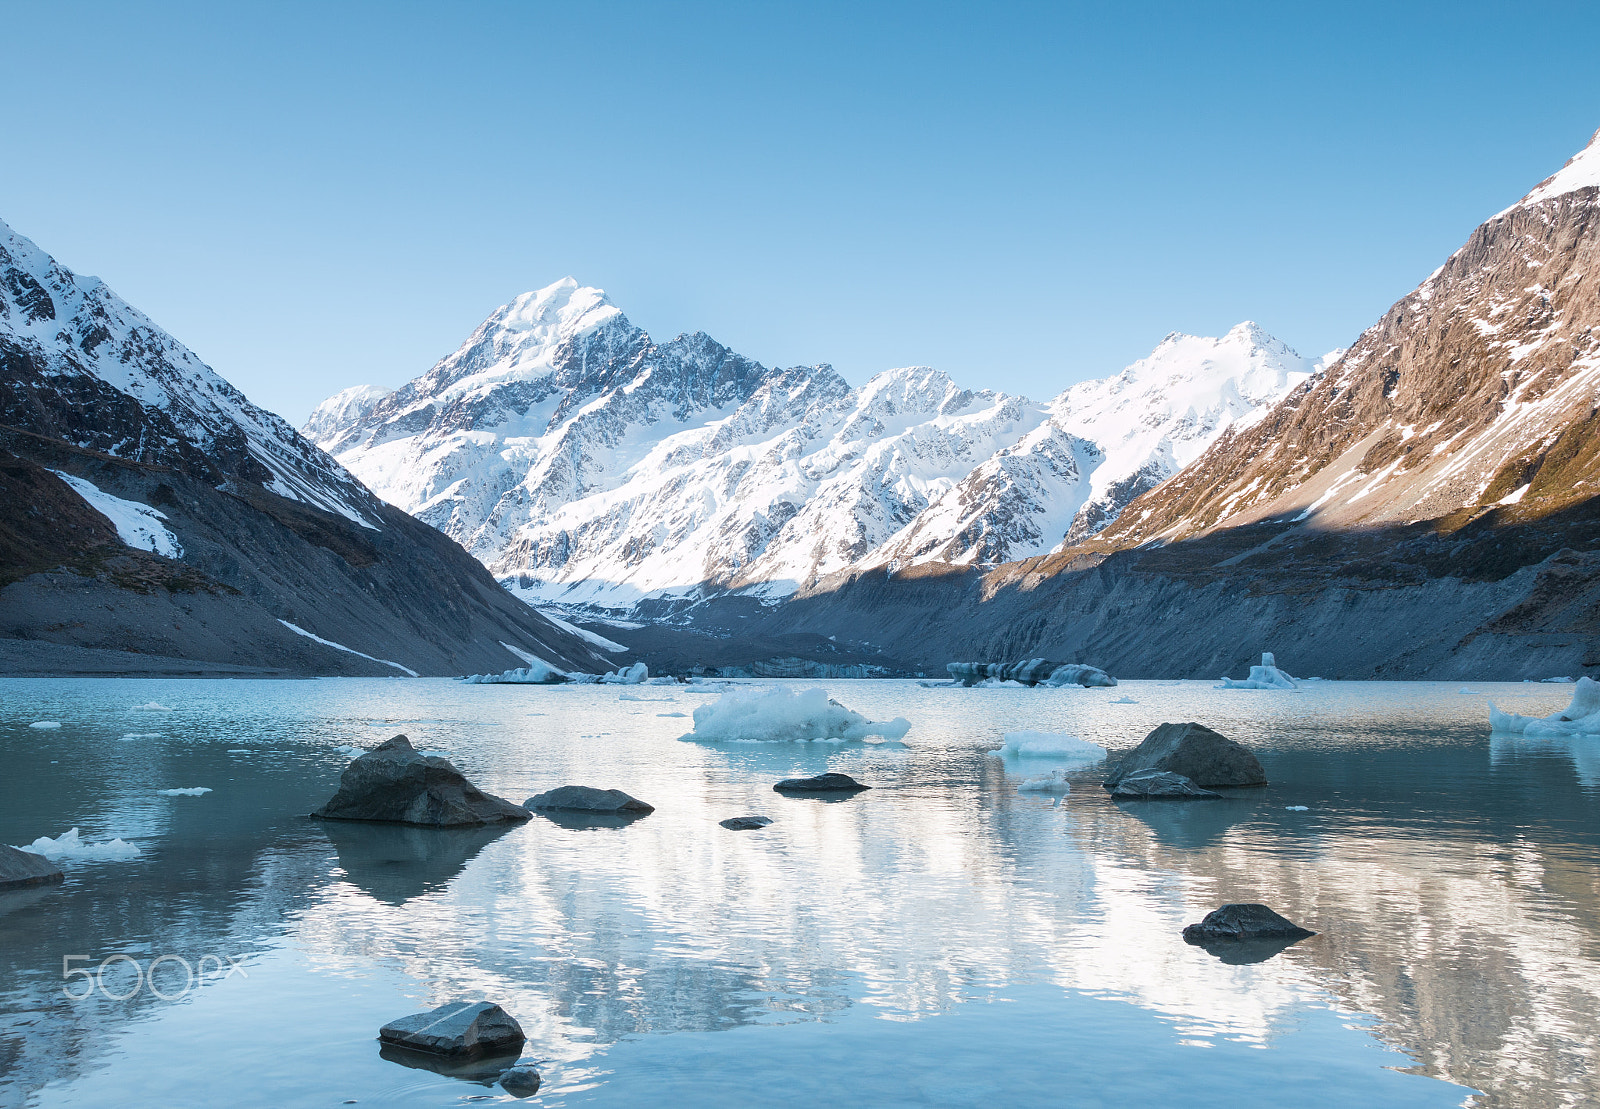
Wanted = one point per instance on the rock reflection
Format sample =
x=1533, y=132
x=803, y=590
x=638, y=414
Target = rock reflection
x=394, y=862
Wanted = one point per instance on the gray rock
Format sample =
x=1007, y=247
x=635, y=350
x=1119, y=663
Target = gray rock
x=521, y=1081
x=1239, y=923
x=394, y=784
x=1203, y=756
x=1149, y=785
x=745, y=823
x=19, y=869
x=459, y=1028
x=589, y=799
x=822, y=783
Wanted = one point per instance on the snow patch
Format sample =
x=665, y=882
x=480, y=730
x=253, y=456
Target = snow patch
x=138, y=525
x=582, y=633
x=349, y=650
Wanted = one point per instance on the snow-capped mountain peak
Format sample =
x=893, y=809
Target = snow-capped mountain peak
x=1582, y=171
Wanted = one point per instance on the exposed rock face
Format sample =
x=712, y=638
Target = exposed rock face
x=394, y=783
x=1240, y=923
x=745, y=823
x=1199, y=754
x=588, y=799
x=219, y=502
x=20, y=869
x=1156, y=785
x=460, y=1028
x=822, y=783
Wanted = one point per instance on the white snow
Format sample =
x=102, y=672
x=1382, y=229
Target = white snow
x=582, y=633
x=188, y=791
x=45, y=725
x=1050, y=745
x=779, y=714
x=529, y=657
x=1053, y=782
x=70, y=845
x=1582, y=171
x=138, y=525
x=1581, y=717
x=1515, y=495
x=342, y=647
x=1265, y=676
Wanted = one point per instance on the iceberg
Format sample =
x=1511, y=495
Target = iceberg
x=69, y=845
x=535, y=673
x=1032, y=671
x=1050, y=745
x=637, y=674
x=1079, y=673
x=777, y=715
x=1581, y=717
x=45, y=725
x=1265, y=676
x=1053, y=782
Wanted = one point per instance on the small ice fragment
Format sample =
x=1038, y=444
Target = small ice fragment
x=1123, y=700
x=188, y=791
x=672, y=714
x=240, y=751
x=1051, y=745
x=1053, y=782
x=347, y=749
x=142, y=735
x=1560, y=681
x=69, y=845
x=1468, y=692
x=45, y=725
x=1298, y=808
x=150, y=706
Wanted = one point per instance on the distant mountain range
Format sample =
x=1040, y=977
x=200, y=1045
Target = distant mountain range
x=153, y=520
x=586, y=464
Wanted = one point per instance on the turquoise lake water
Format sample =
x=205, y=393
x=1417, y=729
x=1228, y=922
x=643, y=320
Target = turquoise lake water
x=940, y=940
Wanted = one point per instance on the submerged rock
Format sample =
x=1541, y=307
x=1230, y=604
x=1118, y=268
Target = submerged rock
x=589, y=799
x=822, y=783
x=745, y=823
x=520, y=1081
x=1205, y=757
x=1157, y=784
x=458, y=1028
x=1241, y=923
x=393, y=783
x=20, y=869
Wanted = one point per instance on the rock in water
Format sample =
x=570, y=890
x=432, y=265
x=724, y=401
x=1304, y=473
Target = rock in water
x=1157, y=784
x=589, y=799
x=745, y=823
x=822, y=783
x=1196, y=752
x=395, y=784
x=19, y=869
x=1241, y=923
x=520, y=1081
x=459, y=1028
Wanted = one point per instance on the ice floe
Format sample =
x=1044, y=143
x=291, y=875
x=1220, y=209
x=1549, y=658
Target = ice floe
x=187, y=791
x=70, y=845
x=1297, y=808
x=45, y=725
x=1051, y=745
x=1581, y=717
x=142, y=735
x=150, y=706
x=775, y=715
x=1265, y=676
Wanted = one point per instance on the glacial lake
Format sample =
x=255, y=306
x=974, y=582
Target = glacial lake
x=943, y=939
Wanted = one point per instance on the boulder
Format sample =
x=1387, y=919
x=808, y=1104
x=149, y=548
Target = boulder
x=589, y=799
x=520, y=1081
x=20, y=869
x=457, y=1029
x=1193, y=750
x=395, y=784
x=1242, y=923
x=822, y=783
x=1149, y=785
x=745, y=823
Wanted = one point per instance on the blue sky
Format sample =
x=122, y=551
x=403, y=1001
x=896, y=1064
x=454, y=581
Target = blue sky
x=1024, y=195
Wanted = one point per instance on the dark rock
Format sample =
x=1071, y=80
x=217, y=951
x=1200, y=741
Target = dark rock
x=1241, y=923
x=456, y=1029
x=19, y=869
x=745, y=823
x=1157, y=784
x=589, y=799
x=1203, y=756
x=822, y=783
x=520, y=1081
x=394, y=784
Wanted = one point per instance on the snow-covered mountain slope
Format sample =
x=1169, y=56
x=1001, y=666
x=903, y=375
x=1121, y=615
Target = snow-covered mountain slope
x=1476, y=394
x=586, y=464
x=76, y=328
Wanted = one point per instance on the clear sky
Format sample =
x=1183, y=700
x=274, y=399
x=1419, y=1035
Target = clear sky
x=319, y=195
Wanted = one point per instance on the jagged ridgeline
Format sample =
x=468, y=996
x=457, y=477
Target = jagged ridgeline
x=585, y=463
x=150, y=513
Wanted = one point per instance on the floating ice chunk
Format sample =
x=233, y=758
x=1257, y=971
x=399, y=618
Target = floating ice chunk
x=150, y=706
x=778, y=714
x=637, y=674
x=1297, y=808
x=665, y=679
x=1079, y=673
x=678, y=714
x=1053, y=782
x=45, y=725
x=1051, y=745
x=190, y=791
x=142, y=735
x=70, y=845
x=1123, y=700
x=1265, y=676
x=1467, y=692
x=1581, y=717
x=350, y=749
x=535, y=673
x=1559, y=681
x=1028, y=671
